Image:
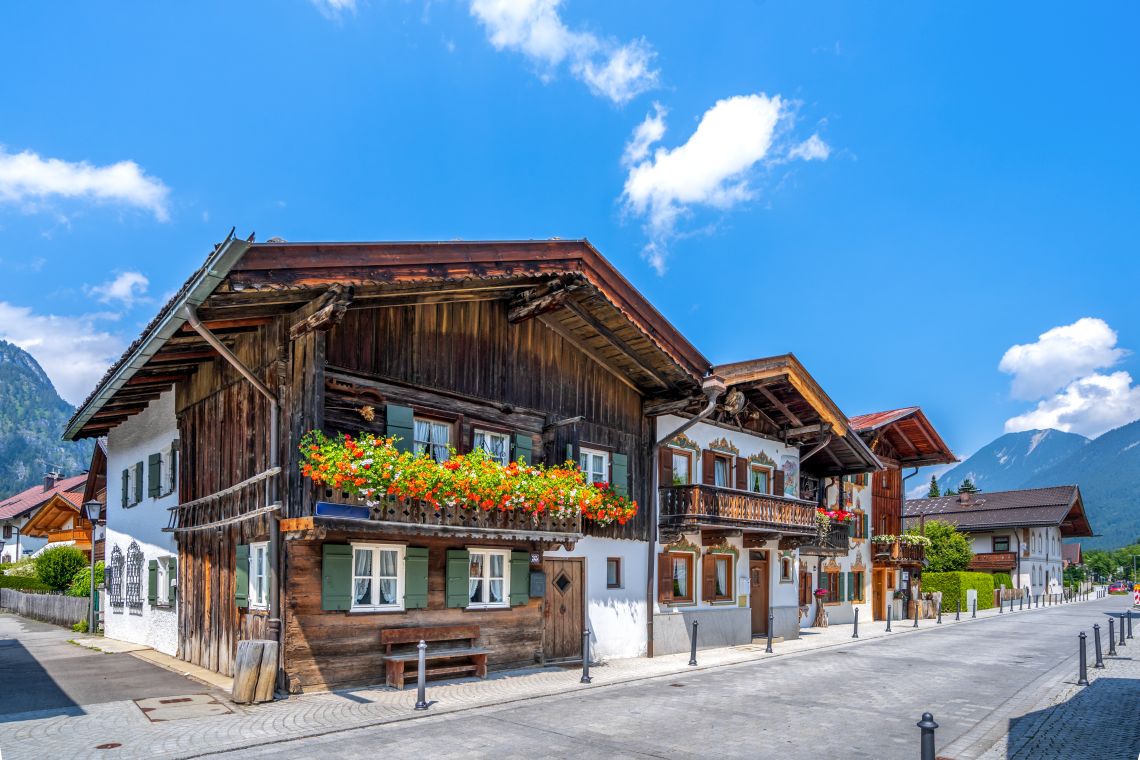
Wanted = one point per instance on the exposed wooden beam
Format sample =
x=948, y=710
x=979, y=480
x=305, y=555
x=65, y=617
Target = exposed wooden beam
x=612, y=337
x=657, y=408
x=107, y=414
x=219, y=325
x=158, y=379
x=327, y=311
x=780, y=405
x=570, y=338
x=819, y=427
x=522, y=309
x=182, y=356
x=900, y=436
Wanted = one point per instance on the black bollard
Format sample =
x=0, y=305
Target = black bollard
x=917, y=604
x=1111, y=638
x=771, y=625
x=1096, y=646
x=940, y=614
x=421, y=677
x=693, y=651
x=1084, y=674
x=1001, y=604
x=586, y=656
x=974, y=612
x=1129, y=623
x=1021, y=605
x=1121, y=643
x=890, y=611
x=957, y=609
x=926, y=740
x=855, y=633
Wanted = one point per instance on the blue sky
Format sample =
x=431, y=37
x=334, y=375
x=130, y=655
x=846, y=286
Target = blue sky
x=898, y=194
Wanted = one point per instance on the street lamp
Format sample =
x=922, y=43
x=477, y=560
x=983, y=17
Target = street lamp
x=92, y=510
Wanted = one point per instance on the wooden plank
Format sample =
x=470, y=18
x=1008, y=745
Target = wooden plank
x=296, y=524
x=611, y=336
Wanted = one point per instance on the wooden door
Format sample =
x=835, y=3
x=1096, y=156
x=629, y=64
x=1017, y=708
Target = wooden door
x=565, y=607
x=758, y=575
x=879, y=594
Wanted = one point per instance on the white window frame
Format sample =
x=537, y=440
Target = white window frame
x=492, y=434
x=431, y=443
x=760, y=468
x=729, y=480
x=162, y=578
x=486, y=578
x=398, y=605
x=687, y=456
x=585, y=459
x=259, y=584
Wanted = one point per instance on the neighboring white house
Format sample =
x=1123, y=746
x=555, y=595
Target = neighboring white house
x=141, y=559
x=847, y=577
x=18, y=509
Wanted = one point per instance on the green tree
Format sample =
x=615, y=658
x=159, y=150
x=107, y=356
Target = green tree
x=933, y=492
x=967, y=486
x=949, y=548
x=58, y=566
x=949, y=492
x=81, y=583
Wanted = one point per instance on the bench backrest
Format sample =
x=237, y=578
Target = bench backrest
x=390, y=636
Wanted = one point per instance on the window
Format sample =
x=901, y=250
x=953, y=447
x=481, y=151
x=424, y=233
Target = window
x=805, y=588
x=1001, y=543
x=595, y=465
x=831, y=585
x=489, y=580
x=133, y=581
x=857, y=586
x=760, y=479
x=613, y=572
x=786, y=570
x=7, y=531
x=170, y=476
x=858, y=525
x=682, y=468
x=432, y=438
x=721, y=583
x=259, y=576
x=497, y=445
x=377, y=577
x=162, y=593
x=682, y=566
x=722, y=472
x=114, y=580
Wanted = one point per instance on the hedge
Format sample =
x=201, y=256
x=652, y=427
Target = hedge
x=954, y=586
x=23, y=583
x=1001, y=579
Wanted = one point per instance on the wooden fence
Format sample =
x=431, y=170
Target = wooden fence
x=50, y=608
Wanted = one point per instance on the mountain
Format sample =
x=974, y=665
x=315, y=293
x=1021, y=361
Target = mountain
x=1108, y=473
x=1014, y=459
x=32, y=419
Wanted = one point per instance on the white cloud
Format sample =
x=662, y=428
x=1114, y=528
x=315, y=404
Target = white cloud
x=710, y=169
x=811, y=149
x=72, y=350
x=333, y=9
x=1060, y=356
x=1089, y=405
x=535, y=29
x=128, y=289
x=26, y=178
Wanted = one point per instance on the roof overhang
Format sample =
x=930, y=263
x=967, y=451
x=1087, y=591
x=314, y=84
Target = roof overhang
x=912, y=440
x=51, y=516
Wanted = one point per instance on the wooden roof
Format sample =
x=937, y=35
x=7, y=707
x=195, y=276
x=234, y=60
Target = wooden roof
x=60, y=509
x=567, y=284
x=905, y=435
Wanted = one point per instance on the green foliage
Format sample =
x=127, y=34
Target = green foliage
x=954, y=586
x=1113, y=563
x=25, y=568
x=949, y=548
x=81, y=584
x=933, y=492
x=23, y=583
x=967, y=486
x=81, y=626
x=949, y=492
x=1002, y=579
x=58, y=566
x=1075, y=575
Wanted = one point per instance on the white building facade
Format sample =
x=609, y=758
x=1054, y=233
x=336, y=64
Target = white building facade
x=140, y=558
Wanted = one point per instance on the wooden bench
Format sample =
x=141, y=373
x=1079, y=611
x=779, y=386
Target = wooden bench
x=458, y=643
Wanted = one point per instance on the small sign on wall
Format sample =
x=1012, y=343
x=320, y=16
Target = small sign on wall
x=537, y=584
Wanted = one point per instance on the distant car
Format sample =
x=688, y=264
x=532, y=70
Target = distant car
x=1119, y=587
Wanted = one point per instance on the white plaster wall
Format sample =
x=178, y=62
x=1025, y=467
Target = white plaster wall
x=149, y=432
x=747, y=443
x=859, y=556
x=615, y=616
x=19, y=546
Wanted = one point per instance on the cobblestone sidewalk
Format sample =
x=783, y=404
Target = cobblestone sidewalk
x=122, y=723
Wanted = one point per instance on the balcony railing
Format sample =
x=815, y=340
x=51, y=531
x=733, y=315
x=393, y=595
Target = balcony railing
x=78, y=535
x=836, y=541
x=897, y=553
x=989, y=561
x=697, y=505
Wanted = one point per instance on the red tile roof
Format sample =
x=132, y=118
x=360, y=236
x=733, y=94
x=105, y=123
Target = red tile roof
x=28, y=500
x=878, y=419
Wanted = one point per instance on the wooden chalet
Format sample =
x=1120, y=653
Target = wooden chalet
x=541, y=345
x=900, y=438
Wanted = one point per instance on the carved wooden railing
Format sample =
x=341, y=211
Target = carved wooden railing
x=701, y=503
x=420, y=513
x=78, y=535
x=837, y=540
x=898, y=552
x=994, y=561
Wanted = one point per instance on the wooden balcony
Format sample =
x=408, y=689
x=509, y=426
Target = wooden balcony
x=994, y=562
x=835, y=543
x=81, y=536
x=896, y=553
x=696, y=506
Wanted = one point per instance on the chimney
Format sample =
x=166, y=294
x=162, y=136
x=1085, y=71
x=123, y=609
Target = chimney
x=50, y=479
x=964, y=499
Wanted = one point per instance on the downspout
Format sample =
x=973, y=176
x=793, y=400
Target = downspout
x=274, y=461
x=713, y=388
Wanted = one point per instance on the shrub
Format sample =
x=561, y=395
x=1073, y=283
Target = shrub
x=81, y=626
x=949, y=548
x=954, y=586
x=1002, y=579
x=23, y=583
x=25, y=568
x=58, y=566
x=81, y=584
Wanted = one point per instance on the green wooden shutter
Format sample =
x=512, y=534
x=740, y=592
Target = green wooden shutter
x=401, y=423
x=851, y=595
x=620, y=474
x=520, y=578
x=867, y=525
x=152, y=582
x=138, y=482
x=415, y=578
x=458, y=578
x=241, y=575
x=173, y=467
x=523, y=444
x=172, y=578
x=154, y=475
x=842, y=588
x=336, y=577
x=126, y=487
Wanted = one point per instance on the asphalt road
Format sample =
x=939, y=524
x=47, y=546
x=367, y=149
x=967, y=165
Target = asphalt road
x=856, y=701
x=42, y=674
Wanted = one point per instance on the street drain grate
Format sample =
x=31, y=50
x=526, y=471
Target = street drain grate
x=677, y=685
x=108, y=745
x=161, y=709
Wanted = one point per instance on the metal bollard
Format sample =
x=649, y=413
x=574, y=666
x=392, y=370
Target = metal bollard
x=940, y=614
x=1129, y=623
x=1084, y=673
x=771, y=625
x=890, y=612
x=1001, y=604
x=1111, y=638
x=693, y=651
x=1121, y=643
x=1096, y=646
x=421, y=677
x=586, y=656
x=974, y=612
x=855, y=633
x=927, y=725
x=917, y=605
x=957, y=609
x=1021, y=605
